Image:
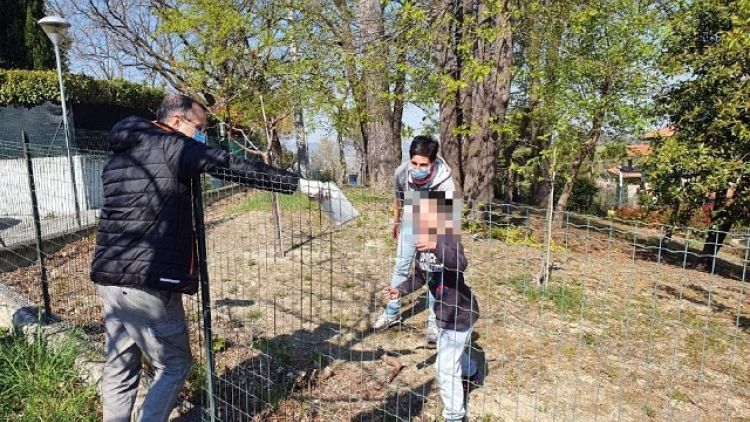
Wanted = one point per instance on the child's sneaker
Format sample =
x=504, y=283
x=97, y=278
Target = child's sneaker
x=432, y=333
x=473, y=382
x=386, y=321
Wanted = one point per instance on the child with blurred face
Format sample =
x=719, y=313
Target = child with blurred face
x=441, y=264
x=425, y=171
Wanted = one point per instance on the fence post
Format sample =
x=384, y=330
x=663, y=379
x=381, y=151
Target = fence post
x=200, y=234
x=37, y=227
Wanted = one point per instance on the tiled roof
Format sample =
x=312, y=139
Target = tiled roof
x=639, y=150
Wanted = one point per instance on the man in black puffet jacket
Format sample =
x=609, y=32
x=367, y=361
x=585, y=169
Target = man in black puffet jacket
x=145, y=255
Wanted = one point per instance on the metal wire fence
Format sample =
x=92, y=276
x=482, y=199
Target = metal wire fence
x=630, y=326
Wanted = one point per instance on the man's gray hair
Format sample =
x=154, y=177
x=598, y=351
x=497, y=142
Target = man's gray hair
x=175, y=105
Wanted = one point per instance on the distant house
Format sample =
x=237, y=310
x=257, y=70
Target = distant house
x=629, y=175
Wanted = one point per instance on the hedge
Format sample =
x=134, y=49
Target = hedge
x=33, y=87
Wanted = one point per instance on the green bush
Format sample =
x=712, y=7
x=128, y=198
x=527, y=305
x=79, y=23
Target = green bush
x=582, y=198
x=33, y=87
x=38, y=382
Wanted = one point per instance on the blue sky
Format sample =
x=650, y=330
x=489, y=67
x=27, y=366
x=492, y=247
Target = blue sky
x=413, y=118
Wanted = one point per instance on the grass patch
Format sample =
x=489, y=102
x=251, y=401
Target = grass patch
x=704, y=340
x=274, y=348
x=566, y=298
x=254, y=314
x=510, y=235
x=678, y=395
x=37, y=380
x=261, y=201
x=341, y=319
x=346, y=284
x=196, y=382
x=361, y=197
x=219, y=344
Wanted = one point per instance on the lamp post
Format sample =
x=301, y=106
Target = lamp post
x=56, y=28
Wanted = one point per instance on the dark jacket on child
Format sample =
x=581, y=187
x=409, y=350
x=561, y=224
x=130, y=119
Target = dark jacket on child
x=443, y=270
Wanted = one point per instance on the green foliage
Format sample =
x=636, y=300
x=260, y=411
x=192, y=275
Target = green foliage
x=511, y=235
x=196, y=382
x=274, y=348
x=254, y=314
x=30, y=87
x=707, y=162
x=236, y=59
x=584, y=72
x=582, y=199
x=40, y=51
x=37, y=379
x=219, y=344
x=23, y=43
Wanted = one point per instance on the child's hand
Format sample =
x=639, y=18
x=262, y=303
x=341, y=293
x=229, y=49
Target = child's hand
x=391, y=293
x=426, y=245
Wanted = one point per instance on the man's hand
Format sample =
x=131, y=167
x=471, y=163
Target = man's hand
x=395, y=230
x=426, y=245
x=391, y=293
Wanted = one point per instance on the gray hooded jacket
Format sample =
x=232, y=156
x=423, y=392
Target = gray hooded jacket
x=441, y=180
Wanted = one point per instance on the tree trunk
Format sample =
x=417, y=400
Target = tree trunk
x=346, y=38
x=718, y=229
x=383, y=154
x=482, y=105
x=342, y=158
x=272, y=157
x=398, y=102
x=715, y=238
x=452, y=103
x=543, y=184
x=588, y=148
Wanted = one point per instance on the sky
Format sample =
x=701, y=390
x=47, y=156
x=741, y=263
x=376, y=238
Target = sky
x=413, y=118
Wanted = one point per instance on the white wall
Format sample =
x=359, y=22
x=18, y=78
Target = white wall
x=53, y=184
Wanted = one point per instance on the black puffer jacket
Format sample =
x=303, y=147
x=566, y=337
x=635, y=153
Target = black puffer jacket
x=145, y=234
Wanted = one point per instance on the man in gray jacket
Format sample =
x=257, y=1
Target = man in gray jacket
x=425, y=171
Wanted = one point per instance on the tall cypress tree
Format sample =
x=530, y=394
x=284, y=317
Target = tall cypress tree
x=23, y=43
x=39, y=49
x=12, y=40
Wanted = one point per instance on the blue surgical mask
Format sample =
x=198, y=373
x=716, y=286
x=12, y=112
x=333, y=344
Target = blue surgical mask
x=419, y=174
x=199, y=136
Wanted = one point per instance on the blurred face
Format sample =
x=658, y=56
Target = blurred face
x=435, y=220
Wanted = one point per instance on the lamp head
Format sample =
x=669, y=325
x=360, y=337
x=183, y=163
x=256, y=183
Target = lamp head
x=55, y=27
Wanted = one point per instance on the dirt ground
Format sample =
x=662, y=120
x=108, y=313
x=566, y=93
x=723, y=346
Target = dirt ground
x=627, y=329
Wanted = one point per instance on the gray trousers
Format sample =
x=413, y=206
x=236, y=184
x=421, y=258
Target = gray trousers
x=453, y=363
x=139, y=323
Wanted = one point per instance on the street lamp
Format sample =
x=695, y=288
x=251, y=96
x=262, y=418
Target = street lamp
x=56, y=28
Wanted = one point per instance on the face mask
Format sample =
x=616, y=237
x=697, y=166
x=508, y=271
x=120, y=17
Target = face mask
x=199, y=136
x=418, y=174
